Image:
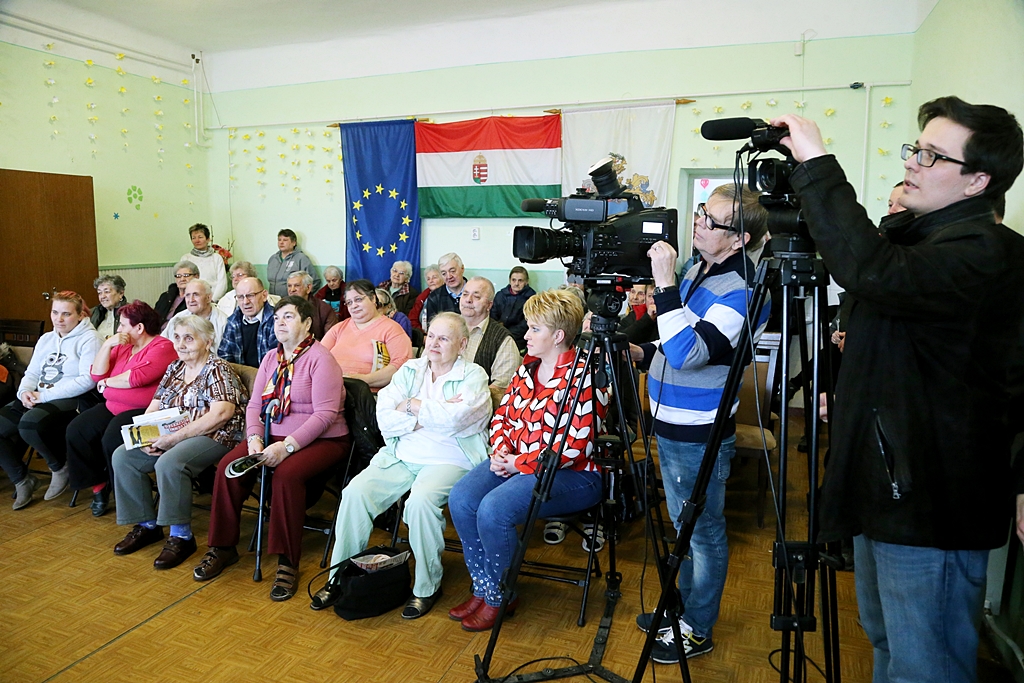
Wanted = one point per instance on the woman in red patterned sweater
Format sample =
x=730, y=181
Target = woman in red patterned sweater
x=488, y=503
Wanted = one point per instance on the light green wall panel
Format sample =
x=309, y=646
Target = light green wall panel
x=125, y=149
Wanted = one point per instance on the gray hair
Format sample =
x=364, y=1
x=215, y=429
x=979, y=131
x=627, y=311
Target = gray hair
x=207, y=288
x=404, y=266
x=305, y=278
x=457, y=321
x=489, y=286
x=451, y=256
x=333, y=271
x=246, y=267
x=578, y=292
x=385, y=302
x=115, y=281
x=187, y=265
x=200, y=328
x=432, y=268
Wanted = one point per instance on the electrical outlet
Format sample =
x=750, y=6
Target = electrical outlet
x=475, y=233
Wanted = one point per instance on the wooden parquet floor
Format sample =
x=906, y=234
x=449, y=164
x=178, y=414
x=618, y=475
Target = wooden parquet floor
x=70, y=610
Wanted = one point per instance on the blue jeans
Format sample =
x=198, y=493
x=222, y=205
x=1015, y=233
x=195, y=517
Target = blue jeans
x=702, y=572
x=920, y=608
x=486, y=508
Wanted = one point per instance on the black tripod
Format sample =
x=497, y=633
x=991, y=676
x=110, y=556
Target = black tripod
x=602, y=353
x=802, y=278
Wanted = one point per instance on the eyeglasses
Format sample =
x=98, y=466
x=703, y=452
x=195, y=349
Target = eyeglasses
x=710, y=222
x=926, y=158
x=354, y=301
x=248, y=297
x=183, y=276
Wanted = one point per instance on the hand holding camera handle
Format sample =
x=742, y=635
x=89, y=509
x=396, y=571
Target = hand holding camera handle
x=804, y=139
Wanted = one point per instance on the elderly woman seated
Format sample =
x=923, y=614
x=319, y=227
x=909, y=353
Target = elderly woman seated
x=434, y=416
x=55, y=385
x=172, y=301
x=386, y=304
x=204, y=388
x=488, y=503
x=369, y=345
x=333, y=291
x=308, y=438
x=110, y=292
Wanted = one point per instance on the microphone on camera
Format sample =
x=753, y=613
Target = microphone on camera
x=763, y=137
x=534, y=205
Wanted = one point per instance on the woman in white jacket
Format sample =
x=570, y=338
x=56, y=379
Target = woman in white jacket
x=48, y=398
x=210, y=263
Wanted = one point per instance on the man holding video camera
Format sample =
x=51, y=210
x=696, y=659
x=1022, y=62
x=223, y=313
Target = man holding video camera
x=920, y=471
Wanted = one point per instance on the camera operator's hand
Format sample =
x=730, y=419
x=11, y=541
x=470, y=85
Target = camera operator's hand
x=804, y=137
x=663, y=264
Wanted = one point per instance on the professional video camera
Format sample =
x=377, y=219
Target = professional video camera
x=769, y=175
x=606, y=232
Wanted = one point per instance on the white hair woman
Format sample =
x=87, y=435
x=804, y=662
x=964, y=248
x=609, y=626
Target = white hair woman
x=434, y=416
x=205, y=388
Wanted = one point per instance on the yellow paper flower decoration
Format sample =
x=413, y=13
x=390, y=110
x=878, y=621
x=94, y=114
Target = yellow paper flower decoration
x=91, y=105
x=719, y=110
x=339, y=158
x=328, y=166
x=887, y=101
x=188, y=166
x=53, y=118
x=280, y=138
x=772, y=102
x=89, y=82
x=119, y=55
x=883, y=152
x=246, y=136
x=282, y=155
x=295, y=147
x=93, y=119
x=327, y=133
x=188, y=125
x=156, y=79
x=88, y=62
x=120, y=71
x=260, y=159
x=884, y=124
x=124, y=131
x=49, y=46
x=158, y=112
x=695, y=131
x=245, y=151
x=122, y=90
x=184, y=81
x=125, y=110
x=158, y=98
x=746, y=105
x=827, y=141
x=55, y=100
x=830, y=112
x=295, y=130
x=327, y=149
x=327, y=180
x=186, y=101
x=260, y=133
x=799, y=104
x=158, y=126
x=310, y=146
x=50, y=81
x=696, y=112
x=50, y=64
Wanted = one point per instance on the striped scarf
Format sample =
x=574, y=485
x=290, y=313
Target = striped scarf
x=280, y=384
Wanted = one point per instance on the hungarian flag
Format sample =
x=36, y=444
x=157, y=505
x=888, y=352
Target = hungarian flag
x=487, y=167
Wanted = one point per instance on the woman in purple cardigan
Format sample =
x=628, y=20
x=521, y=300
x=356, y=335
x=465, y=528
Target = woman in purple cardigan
x=308, y=437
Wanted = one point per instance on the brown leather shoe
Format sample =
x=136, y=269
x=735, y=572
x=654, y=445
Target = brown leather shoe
x=483, y=619
x=214, y=562
x=460, y=612
x=176, y=550
x=138, y=538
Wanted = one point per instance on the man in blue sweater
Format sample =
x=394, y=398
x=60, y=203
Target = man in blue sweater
x=699, y=325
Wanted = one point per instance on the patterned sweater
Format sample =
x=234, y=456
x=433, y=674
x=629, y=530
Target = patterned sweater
x=524, y=418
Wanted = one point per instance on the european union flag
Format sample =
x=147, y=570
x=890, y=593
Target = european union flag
x=382, y=212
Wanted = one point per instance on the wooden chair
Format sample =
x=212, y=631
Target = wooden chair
x=755, y=422
x=21, y=332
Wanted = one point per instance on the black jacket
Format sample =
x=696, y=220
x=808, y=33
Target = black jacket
x=163, y=304
x=919, y=440
x=440, y=300
x=508, y=310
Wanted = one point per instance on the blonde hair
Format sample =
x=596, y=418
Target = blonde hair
x=557, y=309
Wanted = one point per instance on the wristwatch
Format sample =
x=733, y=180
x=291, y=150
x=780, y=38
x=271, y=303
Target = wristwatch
x=288, y=447
x=660, y=290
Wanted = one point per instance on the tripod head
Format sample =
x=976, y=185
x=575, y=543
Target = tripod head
x=607, y=293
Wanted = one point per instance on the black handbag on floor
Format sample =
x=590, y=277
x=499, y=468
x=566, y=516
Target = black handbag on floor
x=370, y=594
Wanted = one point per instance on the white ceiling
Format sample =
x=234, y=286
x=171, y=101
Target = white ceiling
x=259, y=43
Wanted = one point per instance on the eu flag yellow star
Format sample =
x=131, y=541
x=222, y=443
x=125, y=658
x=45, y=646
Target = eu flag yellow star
x=366, y=246
x=366, y=194
x=394, y=248
x=380, y=251
x=392, y=194
x=406, y=220
x=355, y=219
x=380, y=189
x=403, y=236
x=402, y=204
x=359, y=235
x=356, y=205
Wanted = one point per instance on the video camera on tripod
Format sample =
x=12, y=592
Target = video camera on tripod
x=607, y=231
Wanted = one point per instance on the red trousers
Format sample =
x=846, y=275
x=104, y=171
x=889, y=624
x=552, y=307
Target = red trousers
x=288, y=493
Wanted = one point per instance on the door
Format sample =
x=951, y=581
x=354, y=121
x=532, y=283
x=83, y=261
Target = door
x=48, y=241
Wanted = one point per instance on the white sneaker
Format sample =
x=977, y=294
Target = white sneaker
x=23, y=491
x=58, y=483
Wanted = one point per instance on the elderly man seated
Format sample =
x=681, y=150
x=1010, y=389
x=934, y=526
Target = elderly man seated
x=434, y=416
x=446, y=297
x=199, y=301
x=401, y=290
x=172, y=301
x=249, y=332
x=490, y=344
x=300, y=284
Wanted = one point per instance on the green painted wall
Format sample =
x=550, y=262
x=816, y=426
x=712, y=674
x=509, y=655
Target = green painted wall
x=173, y=195
x=975, y=49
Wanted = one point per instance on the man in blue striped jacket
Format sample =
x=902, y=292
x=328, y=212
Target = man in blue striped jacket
x=699, y=325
